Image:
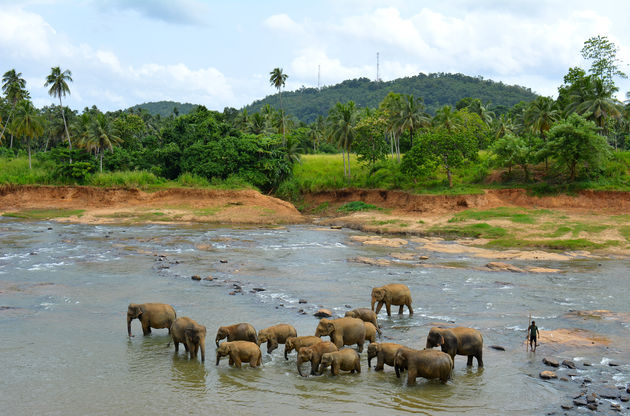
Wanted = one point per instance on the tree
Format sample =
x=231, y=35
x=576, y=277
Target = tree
x=58, y=82
x=445, y=117
x=370, y=144
x=595, y=102
x=540, y=115
x=341, y=121
x=277, y=79
x=574, y=143
x=101, y=137
x=14, y=87
x=605, y=63
x=27, y=124
x=390, y=107
x=410, y=116
x=515, y=150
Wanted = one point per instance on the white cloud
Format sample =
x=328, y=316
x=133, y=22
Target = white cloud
x=283, y=23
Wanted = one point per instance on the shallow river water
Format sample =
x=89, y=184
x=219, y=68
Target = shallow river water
x=64, y=291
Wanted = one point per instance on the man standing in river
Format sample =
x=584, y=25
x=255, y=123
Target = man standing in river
x=533, y=334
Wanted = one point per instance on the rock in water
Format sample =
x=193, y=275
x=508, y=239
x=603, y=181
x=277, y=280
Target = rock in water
x=195, y=277
x=569, y=364
x=323, y=313
x=551, y=362
x=548, y=375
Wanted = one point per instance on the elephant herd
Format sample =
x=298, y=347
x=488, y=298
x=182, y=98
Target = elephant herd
x=242, y=343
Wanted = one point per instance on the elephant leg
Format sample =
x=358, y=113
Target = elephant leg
x=469, y=363
x=388, y=306
x=400, y=309
x=314, y=366
x=334, y=369
x=411, y=376
x=380, y=364
x=410, y=308
x=186, y=346
x=378, y=307
x=176, y=346
x=357, y=367
x=360, y=345
x=236, y=359
x=253, y=362
x=479, y=359
x=146, y=328
x=231, y=362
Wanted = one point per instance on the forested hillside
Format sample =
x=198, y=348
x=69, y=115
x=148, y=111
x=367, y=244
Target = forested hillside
x=165, y=108
x=436, y=90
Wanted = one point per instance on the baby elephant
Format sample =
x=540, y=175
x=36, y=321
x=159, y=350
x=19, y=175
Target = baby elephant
x=240, y=352
x=430, y=364
x=458, y=341
x=236, y=332
x=346, y=359
x=384, y=353
x=151, y=315
x=366, y=315
x=191, y=334
x=295, y=343
x=314, y=355
x=370, y=332
x=275, y=335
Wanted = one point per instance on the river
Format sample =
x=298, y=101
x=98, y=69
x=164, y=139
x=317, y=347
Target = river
x=64, y=350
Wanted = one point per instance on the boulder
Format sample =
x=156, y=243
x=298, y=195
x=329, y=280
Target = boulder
x=503, y=267
x=209, y=278
x=548, y=375
x=323, y=313
x=569, y=364
x=608, y=393
x=423, y=258
x=551, y=362
x=579, y=402
x=302, y=301
x=566, y=406
x=335, y=227
x=258, y=289
x=195, y=277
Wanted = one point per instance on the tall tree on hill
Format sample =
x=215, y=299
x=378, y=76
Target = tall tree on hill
x=27, y=124
x=277, y=78
x=14, y=87
x=605, y=63
x=597, y=103
x=342, y=120
x=101, y=137
x=58, y=82
x=411, y=116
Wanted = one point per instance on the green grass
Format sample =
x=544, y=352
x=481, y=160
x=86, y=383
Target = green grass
x=480, y=230
x=517, y=215
x=624, y=230
x=568, y=244
x=127, y=179
x=576, y=228
x=45, y=214
x=356, y=206
x=207, y=211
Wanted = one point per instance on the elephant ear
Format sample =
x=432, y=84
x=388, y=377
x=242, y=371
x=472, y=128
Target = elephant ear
x=330, y=327
x=441, y=340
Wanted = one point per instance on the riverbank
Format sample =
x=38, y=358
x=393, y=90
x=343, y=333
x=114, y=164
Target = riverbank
x=482, y=224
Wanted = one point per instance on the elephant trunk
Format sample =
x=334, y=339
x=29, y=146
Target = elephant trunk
x=299, y=367
x=285, y=353
x=397, y=369
x=202, y=346
x=129, y=319
x=373, y=302
x=217, y=341
x=370, y=361
x=218, y=357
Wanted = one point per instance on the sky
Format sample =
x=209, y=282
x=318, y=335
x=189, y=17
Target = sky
x=220, y=53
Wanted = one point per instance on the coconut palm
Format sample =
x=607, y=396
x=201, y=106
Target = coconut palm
x=503, y=125
x=390, y=107
x=445, y=117
x=341, y=122
x=541, y=114
x=58, y=82
x=410, y=116
x=477, y=107
x=28, y=124
x=101, y=137
x=598, y=105
x=277, y=78
x=14, y=87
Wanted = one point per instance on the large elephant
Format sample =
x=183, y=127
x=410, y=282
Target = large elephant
x=342, y=331
x=430, y=364
x=370, y=332
x=458, y=341
x=384, y=353
x=366, y=315
x=392, y=294
x=191, y=334
x=236, y=332
x=295, y=343
x=314, y=355
x=240, y=352
x=151, y=315
x=275, y=335
x=346, y=359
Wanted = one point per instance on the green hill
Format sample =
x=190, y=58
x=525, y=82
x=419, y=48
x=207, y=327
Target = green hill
x=165, y=108
x=435, y=89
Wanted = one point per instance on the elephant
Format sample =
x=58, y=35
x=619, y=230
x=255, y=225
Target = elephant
x=342, y=331
x=458, y=341
x=237, y=332
x=346, y=359
x=151, y=315
x=392, y=294
x=365, y=314
x=430, y=364
x=295, y=343
x=384, y=353
x=370, y=332
x=191, y=334
x=239, y=352
x=314, y=355
x=275, y=335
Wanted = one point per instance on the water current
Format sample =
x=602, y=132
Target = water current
x=64, y=350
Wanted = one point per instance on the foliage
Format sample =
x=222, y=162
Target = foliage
x=163, y=108
x=574, y=143
x=605, y=63
x=370, y=143
x=356, y=206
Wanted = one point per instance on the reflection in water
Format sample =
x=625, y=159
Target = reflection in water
x=187, y=374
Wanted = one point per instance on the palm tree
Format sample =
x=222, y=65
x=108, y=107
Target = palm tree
x=341, y=121
x=277, y=79
x=478, y=108
x=411, y=116
x=541, y=114
x=445, y=117
x=390, y=106
x=28, y=124
x=101, y=137
x=599, y=104
x=58, y=88
x=14, y=87
x=503, y=126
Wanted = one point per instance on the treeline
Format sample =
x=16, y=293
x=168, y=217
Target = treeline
x=436, y=90
x=578, y=136
x=165, y=108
